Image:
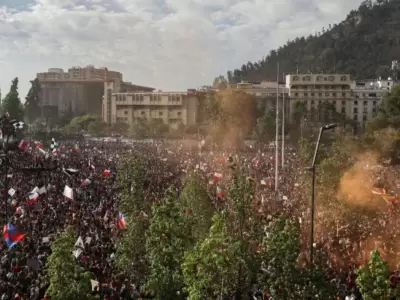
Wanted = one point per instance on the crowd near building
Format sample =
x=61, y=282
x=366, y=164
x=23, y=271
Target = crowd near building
x=99, y=91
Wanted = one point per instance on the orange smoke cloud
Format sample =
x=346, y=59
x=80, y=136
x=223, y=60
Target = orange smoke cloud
x=356, y=184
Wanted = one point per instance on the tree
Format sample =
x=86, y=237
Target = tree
x=168, y=237
x=198, y=205
x=265, y=127
x=83, y=122
x=220, y=83
x=120, y=127
x=96, y=127
x=373, y=278
x=230, y=115
x=388, y=113
x=31, y=105
x=210, y=269
x=68, y=281
x=131, y=257
x=140, y=129
x=282, y=248
x=281, y=275
x=11, y=102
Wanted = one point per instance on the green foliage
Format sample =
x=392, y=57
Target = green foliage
x=388, y=113
x=168, y=237
x=154, y=128
x=68, y=281
x=12, y=103
x=281, y=275
x=120, y=127
x=39, y=125
x=282, y=248
x=71, y=128
x=265, y=126
x=220, y=83
x=198, y=205
x=210, y=269
x=131, y=256
x=373, y=278
x=31, y=105
x=362, y=45
x=96, y=127
x=83, y=122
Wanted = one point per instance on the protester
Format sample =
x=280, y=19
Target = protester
x=39, y=205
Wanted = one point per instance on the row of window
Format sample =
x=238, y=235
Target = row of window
x=170, y=121
x=160, y=113
x=320, y=87
x=365, y=103
x=153, y=97
x=327, y=94
x=319, y=78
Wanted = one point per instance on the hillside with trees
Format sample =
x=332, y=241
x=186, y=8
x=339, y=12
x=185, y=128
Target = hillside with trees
x=363, y=45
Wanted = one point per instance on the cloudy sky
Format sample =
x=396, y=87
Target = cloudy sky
x=167, y=44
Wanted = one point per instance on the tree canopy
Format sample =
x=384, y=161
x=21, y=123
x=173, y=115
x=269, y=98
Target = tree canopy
x=12, y=103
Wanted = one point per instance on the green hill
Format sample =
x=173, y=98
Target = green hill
x=363, y=45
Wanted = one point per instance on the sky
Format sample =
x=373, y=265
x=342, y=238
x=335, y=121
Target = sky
x=166, y=44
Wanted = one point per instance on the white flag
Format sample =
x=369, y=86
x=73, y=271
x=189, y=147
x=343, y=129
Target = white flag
x=11, y=192
x=68, y=192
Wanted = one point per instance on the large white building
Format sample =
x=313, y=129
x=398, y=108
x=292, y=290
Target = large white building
x=173, y=108
x=358, y=100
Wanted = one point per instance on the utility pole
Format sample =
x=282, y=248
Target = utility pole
x=283, y=124
x=277, y=131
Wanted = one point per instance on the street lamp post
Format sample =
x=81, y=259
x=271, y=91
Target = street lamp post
x=312, y=169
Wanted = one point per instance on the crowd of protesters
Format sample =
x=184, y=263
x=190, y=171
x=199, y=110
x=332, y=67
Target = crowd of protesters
x=90, y=167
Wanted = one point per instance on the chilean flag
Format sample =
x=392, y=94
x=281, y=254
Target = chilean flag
x=121, y=220
x=33, y=198
x=11, y=235
x=106, y=172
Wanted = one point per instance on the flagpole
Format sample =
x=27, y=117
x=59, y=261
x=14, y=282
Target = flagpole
x=277, y=131
x=283, y=125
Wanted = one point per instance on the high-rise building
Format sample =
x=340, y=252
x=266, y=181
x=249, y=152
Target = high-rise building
x=80, y=88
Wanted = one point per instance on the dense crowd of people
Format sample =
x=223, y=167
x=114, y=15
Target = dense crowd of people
x=92, y=208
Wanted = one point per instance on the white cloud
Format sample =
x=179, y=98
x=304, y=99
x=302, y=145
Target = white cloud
x=168, y=44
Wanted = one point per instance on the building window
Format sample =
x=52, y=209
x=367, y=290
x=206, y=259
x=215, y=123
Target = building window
x=327, y=94
x=373, y=103
x=296, y=94
x=179, y=113
x=343, y=78
x=355, y=102
x=343, y=102
x=355, y=118
x=344, y=94
x=343, y=110
x=319, y=94
x=312, y=94
x=160, y=113
x=319, y=78
x=364, y=118
x=295, y=78
x=126, y=112
x=355, y=110
x=365, y=103
x=334, y=94
x=331, y=78
x=305, y=94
